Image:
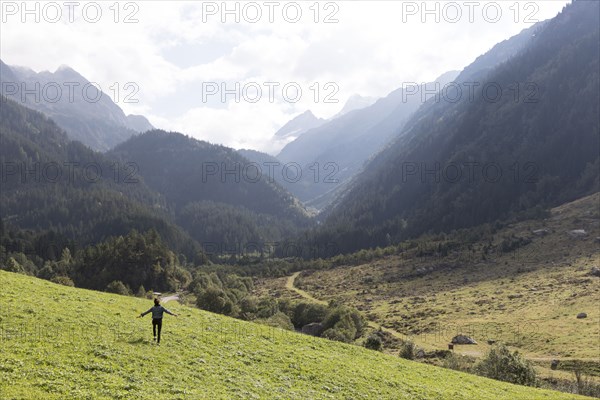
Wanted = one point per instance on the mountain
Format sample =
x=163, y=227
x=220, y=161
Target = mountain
x=86, y=114
x=355, y=102
x=260, y=158
x=298, y=125
x=52, y=184
x=215, y=193
x=331, y=154
x=488, y=156
x=202, y=355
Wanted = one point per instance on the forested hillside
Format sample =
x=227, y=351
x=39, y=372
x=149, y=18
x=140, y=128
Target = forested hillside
x=526, y=138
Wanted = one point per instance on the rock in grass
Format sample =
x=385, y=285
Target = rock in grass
x=581, y=315
x=595, y=271
x=463, y=339
x=313, y=329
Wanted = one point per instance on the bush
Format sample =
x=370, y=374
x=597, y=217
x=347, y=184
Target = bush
x=501, y=364
x=216, y=300
x=278, y=320
x=306, y=313
x=374, y=342
x=63, y=280
x=338, y=334
x=267, y=307
x=408, y=350
x=457, y=362
x=117, y=287
x=248, y=308
x=346, y=320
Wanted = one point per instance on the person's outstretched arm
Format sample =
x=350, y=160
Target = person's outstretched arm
x=169, y=312
x=144, y=313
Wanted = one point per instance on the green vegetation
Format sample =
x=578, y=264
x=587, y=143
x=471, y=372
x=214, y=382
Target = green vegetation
x=430, y=289
x=60, y=342
x=502, y=364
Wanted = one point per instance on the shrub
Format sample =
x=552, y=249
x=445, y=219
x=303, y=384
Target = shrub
x=348, y=321
x=338, y=334
x=141, y=291
x=216, y=300
x=248, y=308
x=278, y=320
x=117, y=287
x=374, y=342
x=457, y=362
x=499, y=363
x=408, y=350
x=267, y=307
x=306, y=313
x=63, y=280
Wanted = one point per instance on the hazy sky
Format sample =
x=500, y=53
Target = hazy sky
x=181, y=55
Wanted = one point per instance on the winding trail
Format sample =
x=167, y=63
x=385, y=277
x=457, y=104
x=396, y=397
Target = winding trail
x=166, y=299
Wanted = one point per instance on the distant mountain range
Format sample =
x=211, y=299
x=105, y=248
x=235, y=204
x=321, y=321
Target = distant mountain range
x=86, y=114
x=526, y=138
x=355, y=102
x=332, y=153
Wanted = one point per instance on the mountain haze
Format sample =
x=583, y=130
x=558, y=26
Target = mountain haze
x=533, y=152
x=77, y=106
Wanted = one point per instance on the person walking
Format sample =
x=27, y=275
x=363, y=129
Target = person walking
x=157, y=316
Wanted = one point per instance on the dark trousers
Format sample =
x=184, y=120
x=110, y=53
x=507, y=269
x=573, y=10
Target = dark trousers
x=156, y=325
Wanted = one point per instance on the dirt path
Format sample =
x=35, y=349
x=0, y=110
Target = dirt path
x=166, y=299
x=290, y=285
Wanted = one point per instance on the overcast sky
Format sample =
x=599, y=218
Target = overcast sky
x=180, y=53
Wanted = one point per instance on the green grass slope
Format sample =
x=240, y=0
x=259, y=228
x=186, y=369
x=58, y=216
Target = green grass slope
x=58, y=342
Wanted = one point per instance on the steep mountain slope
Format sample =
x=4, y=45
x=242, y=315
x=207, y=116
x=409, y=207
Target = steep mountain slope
x=331, y=154
x=52, y=183
x=492, y=154
x=203, y=182
x=87, y=115
x=84, y=344
x=298, y=125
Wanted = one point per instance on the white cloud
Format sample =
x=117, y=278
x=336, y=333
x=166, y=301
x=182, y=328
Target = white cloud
x=171, y=52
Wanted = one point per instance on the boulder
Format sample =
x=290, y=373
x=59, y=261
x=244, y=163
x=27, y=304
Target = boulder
x=595, y=271
x=577, y=233
x=581, y=315
x=463, y=339
x=554, y=364
x=312, y=329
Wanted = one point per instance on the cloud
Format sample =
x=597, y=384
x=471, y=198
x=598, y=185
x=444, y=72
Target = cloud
x=176, y=48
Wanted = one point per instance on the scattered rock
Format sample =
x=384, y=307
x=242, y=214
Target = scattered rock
x=420, y=353
x=577, y=233
x=554, y=364
x=491, y=342
x=312, y=329
x=595, y=271
x=463, y=339
x=581, y=315
x=541, y=232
